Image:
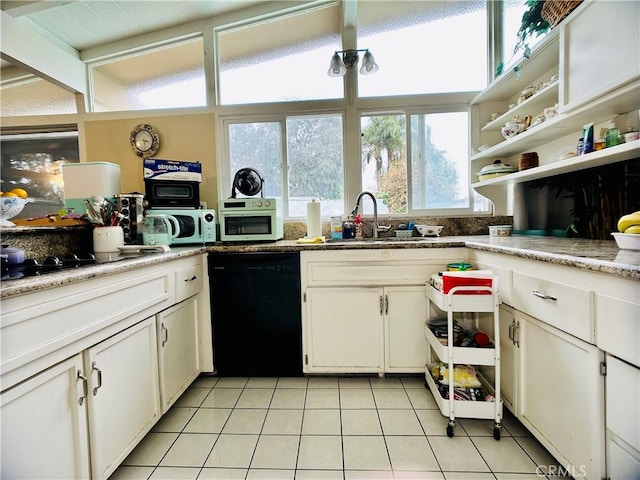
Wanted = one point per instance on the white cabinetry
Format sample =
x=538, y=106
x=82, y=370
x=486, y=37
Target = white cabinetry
x=177, y=350
x=344, y=328
x=79, y=365
x=44, y=425
x=404, y=326
x=123, y=395
x=551, y=366
x=561, y=395
x=105, y=398
x=611, y=59
x=623, y=419
x=364, y=310
x=596, y=83
x=365, y=329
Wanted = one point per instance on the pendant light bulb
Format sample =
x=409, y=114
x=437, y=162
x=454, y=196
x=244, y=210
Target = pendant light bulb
x=369, y=65
x=336, y=68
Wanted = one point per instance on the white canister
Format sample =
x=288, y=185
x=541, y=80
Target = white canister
x=107, y=239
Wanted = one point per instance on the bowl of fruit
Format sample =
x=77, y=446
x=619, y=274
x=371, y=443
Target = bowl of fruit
x=11, y=205
x=628, y=234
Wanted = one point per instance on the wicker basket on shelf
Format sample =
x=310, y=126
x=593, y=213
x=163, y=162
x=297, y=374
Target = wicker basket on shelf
x=554, y=11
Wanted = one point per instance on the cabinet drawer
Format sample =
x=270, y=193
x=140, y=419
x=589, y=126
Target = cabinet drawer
x=565, y=307
x=618, y=328
x=375, y=267
x=189, y=280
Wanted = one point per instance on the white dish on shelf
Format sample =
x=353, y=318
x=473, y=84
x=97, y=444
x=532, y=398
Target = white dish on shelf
x=429, y=230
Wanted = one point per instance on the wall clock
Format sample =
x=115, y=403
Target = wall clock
x=144, y=140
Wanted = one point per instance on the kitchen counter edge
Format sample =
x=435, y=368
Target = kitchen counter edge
x=594, y=255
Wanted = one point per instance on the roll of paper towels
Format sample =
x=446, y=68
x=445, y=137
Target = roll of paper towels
x=314, y=219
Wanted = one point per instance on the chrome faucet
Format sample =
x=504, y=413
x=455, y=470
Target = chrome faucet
x=354, y=212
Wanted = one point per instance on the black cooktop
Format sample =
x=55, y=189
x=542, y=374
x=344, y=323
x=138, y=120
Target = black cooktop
x=32, y=267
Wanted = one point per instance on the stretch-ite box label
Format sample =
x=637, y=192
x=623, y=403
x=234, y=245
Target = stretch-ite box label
x=159, y=169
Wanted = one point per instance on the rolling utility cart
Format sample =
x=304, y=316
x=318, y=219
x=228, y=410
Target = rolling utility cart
x=474, y=299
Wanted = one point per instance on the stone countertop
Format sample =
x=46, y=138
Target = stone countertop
x=595, y=255
x=121, y=263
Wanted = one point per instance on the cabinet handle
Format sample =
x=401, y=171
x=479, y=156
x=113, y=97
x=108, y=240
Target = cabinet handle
x=84, y=387
x=544, y=296
x=95, y=389
x=381, y=304
x=516, y=335
x=165, y=335
x=191, y=279
x=386, y=304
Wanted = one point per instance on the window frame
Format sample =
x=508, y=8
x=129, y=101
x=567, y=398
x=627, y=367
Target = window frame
x=281, y=116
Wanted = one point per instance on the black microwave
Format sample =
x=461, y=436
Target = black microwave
x=172, y=194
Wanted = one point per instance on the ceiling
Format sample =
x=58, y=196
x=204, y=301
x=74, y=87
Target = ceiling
x=83, y=24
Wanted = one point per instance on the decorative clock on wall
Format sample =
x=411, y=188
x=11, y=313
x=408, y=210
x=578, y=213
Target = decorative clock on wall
x=144, y=140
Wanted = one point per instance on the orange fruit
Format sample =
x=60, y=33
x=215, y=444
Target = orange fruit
x=19, y=192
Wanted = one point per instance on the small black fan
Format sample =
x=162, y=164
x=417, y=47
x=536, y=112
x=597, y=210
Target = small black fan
x=247, y=181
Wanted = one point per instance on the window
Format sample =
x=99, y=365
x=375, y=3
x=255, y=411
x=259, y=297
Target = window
x=30, y=95
x=438, y=168
x=512, y=11
x=299, y=157
x=409, y=145
x=384, y=161
x=424, y=47
x=169, y=77
x=440, y=161
x=288, y=63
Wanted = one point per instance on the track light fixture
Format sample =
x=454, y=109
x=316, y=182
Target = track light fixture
x=349, y=59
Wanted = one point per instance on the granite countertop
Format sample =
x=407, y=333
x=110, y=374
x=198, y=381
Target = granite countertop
x=594, y=255
x=124, y=263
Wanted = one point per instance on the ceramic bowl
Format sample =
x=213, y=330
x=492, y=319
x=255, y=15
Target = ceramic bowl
x=429, y=230
x=627, y=241
x=404, y=233
x=10, y=207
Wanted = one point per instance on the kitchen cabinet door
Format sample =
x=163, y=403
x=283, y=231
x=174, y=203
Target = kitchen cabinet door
x=405, y=311
x=123, y=394
x=561, y=396
x=178, y=350
x=44, y=425
x=623, y=419
x=343, y=330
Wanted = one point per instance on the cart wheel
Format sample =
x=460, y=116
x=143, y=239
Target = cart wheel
x=496, y=432
x=450, y=430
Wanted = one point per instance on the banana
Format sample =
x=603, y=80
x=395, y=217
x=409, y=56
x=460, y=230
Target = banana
x=629, y=220
x=634, y=229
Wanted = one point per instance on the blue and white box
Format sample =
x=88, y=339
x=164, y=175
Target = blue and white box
x=158, y=169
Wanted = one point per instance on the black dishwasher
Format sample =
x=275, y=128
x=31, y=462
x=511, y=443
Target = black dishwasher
x=256, y=313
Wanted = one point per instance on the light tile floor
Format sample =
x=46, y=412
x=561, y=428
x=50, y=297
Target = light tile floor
x=326, y=428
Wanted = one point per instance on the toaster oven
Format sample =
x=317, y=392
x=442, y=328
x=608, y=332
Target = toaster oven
x=250, y=220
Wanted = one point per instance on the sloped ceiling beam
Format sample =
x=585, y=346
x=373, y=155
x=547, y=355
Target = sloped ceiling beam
x=30, y=51
x=15, y=8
